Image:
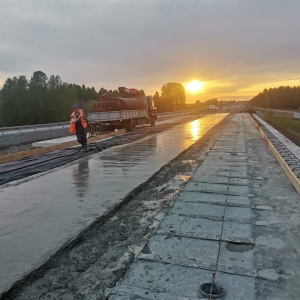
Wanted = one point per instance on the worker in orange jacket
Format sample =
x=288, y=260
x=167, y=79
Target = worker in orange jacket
x=78, y=126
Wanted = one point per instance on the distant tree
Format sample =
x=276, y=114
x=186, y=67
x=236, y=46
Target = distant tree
x=199, y=104
x=38, y=80
x=213, y=101
x=36, y=98
x=156, y=100
x=283, y=97
x=115, y=93
x=40, y=100
x=296, y=97
x=141, y=93
x=172, y=97
x=102, y=91
x=92, y=94
x=65, y=96
x=82, y=94
x=13, y=102
x=78, y=92
x=59, y=99
x=54, y=82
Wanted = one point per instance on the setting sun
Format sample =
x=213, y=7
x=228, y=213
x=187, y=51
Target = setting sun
x=194, y=86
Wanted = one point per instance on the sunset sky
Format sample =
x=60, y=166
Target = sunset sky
x=234, y=48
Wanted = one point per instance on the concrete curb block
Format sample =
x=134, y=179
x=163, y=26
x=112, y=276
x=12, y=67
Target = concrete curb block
x=28, y=153
x=292, y=177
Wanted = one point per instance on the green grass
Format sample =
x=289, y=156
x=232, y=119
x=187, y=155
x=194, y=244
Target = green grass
x=291, y=124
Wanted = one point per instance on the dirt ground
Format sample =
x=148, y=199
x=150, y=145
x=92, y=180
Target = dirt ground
x=96, y=259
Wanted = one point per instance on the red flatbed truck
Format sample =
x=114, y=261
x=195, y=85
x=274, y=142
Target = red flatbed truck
x=125, y=111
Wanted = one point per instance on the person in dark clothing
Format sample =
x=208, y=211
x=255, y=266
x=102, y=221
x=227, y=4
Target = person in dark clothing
x=78, y=126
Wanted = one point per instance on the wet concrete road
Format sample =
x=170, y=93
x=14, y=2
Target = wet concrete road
x=40, y=214
x=238, y=195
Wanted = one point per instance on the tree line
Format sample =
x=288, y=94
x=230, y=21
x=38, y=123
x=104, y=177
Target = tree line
x=42, y=100
x=284, y=97
x=172, y=97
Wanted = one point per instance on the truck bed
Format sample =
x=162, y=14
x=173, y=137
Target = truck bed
x=118, y=115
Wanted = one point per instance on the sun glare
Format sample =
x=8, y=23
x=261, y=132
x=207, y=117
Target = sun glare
x=194, y=86
x=196, y=129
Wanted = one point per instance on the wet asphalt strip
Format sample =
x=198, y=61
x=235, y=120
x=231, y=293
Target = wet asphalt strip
x=26, y=167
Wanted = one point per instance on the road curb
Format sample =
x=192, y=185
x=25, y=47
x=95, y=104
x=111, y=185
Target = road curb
x=292, y=177
x=28, y=153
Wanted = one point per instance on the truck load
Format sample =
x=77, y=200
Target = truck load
x=125, y=111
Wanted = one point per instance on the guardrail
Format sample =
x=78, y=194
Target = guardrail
x=32, y=128
x=281, y=112
x=51, y=126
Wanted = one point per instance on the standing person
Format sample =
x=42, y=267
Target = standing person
x=78, y=126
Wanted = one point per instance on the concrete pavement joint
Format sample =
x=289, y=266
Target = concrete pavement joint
x=237, y=271
x=221, y=183
x=214, y=218
x=219, y=203
x=221, y=193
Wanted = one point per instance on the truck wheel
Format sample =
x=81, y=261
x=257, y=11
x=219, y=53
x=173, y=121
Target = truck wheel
x=130, y=126
x=152, y=122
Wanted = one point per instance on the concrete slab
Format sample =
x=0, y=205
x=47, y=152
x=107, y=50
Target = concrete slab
x=240, y=214
x=205, y=228
x=214, y=178
x=217, y=188
x=201, y=254
x=53, y=142
x=152, y=280
x=201, y=197
x=214, y=170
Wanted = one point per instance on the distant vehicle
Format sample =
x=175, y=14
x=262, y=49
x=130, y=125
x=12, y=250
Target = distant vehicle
x=212, y=107
x=126, y=111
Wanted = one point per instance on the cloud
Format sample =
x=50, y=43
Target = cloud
x=147, y=43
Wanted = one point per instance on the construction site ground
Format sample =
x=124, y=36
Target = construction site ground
x=167, y=236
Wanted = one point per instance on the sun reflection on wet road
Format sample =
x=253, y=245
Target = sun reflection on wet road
x=195, y=128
